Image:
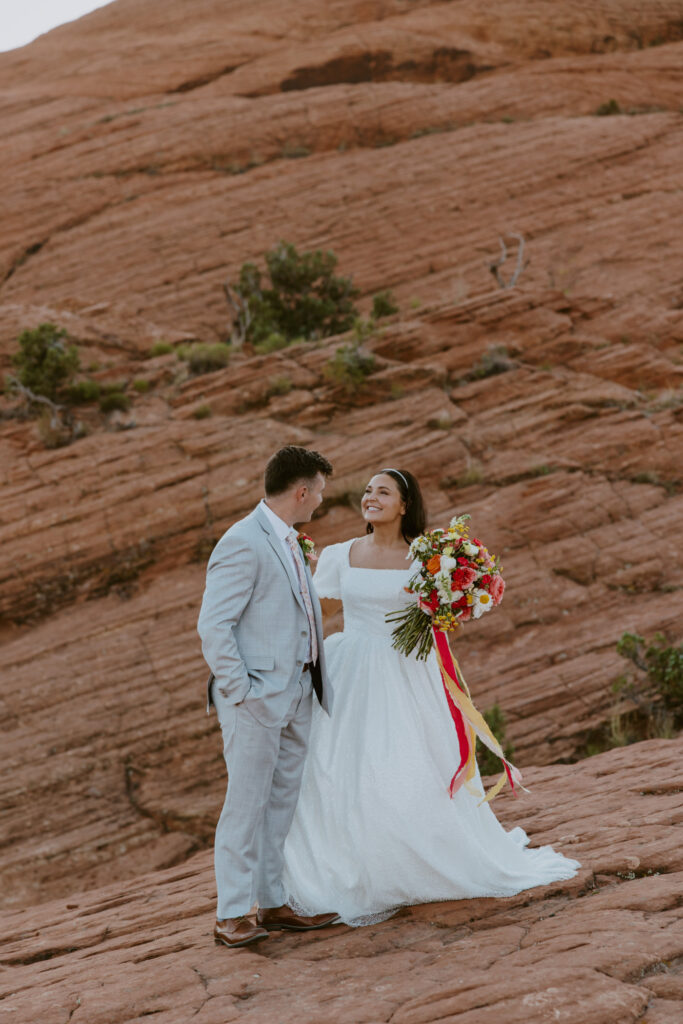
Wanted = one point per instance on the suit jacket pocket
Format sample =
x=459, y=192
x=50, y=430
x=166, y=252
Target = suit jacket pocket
x=258, y=662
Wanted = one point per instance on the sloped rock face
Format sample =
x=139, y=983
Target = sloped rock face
x=407, y=138
x=606, y=946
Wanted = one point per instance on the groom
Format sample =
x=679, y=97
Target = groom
x=261, y=632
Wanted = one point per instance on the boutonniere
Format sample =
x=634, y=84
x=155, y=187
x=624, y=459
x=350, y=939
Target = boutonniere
x=307, y=546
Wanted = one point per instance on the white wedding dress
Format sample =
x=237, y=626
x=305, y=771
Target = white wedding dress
x=375, y=828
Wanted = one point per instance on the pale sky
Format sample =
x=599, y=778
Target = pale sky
x=22, y=20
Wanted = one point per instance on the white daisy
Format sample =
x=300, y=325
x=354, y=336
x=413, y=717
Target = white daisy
x=483, y=602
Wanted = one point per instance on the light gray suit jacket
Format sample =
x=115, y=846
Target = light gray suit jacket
x=253, y=622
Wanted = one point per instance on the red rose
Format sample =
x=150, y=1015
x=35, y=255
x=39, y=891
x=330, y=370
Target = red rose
x=461, y=560
x=463, y=577
x=485, y=580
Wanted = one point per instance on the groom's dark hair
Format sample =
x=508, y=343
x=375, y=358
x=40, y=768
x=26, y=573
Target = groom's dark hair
x=291, y=464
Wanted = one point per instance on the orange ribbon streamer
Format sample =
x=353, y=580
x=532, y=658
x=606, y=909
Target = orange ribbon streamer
x=470, y=725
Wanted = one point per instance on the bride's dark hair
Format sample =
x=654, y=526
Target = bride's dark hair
x=414, y=519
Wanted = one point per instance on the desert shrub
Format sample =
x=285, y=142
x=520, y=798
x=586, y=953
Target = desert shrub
x=657, y=687
x=301, y=298
x=293, y=152
x=141, y=385
x=442, y=422
x=363, y=330
x=112, y=387
x=202, y=412
x=82, y=392
x=114, y=401
x=203, y=358
x=54, y=431
x=281, y=385
x=495, y=360
x=650, y=704
x=160, y=348
x=608, y=108
x=471, y=475
x=272, y=343
x=488, y=763
x=45, y=363
x=383, y=304
x=349, y=367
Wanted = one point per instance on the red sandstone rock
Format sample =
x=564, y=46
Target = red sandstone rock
x=603, y=947
x=141, y=173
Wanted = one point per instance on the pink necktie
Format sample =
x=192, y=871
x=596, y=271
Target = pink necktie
x=305, y=592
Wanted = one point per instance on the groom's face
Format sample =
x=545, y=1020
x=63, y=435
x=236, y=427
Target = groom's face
x=311, y=496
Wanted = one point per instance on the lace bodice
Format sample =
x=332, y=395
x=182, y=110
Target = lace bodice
x=367, y=594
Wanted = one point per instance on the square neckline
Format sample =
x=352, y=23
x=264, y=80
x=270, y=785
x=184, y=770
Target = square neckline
x=369, y=568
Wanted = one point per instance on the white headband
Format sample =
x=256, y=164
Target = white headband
x=398, y=473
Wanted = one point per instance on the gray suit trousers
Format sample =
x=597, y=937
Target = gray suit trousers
x=265, y=764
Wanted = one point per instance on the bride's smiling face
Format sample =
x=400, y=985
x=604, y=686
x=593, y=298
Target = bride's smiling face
x=381, y=501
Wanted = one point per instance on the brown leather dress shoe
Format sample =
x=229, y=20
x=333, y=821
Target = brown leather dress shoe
x=238, y=931
x=273, y=918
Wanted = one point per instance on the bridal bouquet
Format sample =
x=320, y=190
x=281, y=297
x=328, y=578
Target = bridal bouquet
x=457, y=580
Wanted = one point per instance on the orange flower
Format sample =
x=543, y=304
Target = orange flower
x=434, y=564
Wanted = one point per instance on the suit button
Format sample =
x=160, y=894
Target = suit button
x=304, y=633
x=299, y=664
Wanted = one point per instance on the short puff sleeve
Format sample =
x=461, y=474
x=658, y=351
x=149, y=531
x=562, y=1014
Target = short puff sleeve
x=326, y=580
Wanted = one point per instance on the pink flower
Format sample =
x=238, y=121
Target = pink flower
x=467, y=614
x=497, y=588
x=463, y=577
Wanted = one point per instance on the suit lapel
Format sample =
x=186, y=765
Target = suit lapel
x=279, y=551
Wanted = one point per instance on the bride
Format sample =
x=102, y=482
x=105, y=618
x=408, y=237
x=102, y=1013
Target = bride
x=375, y=827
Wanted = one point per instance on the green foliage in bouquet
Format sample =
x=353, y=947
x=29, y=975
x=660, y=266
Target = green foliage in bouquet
x=413, y=631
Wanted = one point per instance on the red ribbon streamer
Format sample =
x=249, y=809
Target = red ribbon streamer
x=467, y=736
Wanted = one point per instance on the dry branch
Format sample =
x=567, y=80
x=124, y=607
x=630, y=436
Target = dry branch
x=56, y=420
x=497, y=264
x=242, y=320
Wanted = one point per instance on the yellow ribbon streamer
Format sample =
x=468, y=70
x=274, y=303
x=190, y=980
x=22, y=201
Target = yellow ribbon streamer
x=476, y=725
